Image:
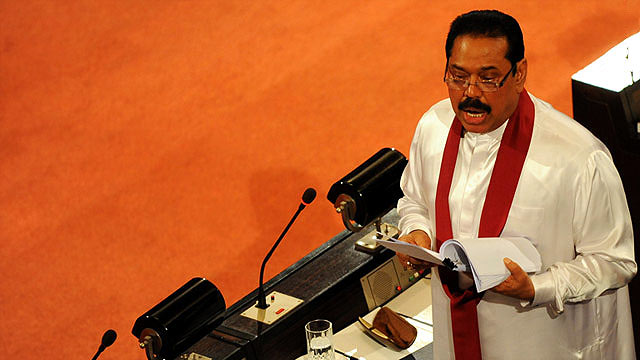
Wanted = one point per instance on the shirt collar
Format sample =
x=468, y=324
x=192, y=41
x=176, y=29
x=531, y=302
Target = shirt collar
x=494, y=135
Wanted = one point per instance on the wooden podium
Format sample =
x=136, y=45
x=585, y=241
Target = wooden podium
x=328, y=282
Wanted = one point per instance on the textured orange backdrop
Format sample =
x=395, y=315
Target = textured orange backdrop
x=146, y=142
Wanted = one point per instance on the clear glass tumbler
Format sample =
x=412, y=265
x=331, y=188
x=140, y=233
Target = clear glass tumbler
x=319, y=340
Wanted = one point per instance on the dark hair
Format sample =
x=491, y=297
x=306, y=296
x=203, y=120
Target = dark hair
x=488, y=23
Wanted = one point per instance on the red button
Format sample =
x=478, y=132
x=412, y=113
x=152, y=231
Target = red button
x=279, y=311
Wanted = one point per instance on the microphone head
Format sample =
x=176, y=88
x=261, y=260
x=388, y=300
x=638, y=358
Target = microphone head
x=109, y=337
x=308, y=196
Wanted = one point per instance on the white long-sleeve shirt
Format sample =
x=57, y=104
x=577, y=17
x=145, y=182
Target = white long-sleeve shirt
x=570, y=203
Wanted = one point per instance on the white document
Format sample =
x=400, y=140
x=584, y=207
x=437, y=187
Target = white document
x=481, y=256
x=412, y=250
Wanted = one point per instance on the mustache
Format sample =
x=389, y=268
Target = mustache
x=473, y=103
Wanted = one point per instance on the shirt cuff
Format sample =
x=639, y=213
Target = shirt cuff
x=544, y=288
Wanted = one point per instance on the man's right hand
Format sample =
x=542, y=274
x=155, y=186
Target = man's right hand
x=420, y=238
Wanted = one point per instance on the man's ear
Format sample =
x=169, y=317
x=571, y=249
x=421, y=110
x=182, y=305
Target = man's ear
x=521, y=74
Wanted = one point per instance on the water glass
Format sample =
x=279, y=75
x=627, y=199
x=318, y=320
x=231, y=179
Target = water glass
x=319, y=340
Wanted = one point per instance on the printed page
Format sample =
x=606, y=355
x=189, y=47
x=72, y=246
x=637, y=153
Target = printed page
x=412, y=250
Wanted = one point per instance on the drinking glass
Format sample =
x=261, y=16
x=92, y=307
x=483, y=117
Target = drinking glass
x=319, y=340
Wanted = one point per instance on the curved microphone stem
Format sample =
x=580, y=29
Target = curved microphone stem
x=100, y=350
x=262, y=302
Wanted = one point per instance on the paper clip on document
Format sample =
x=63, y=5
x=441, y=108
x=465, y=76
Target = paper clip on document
x=449, y=264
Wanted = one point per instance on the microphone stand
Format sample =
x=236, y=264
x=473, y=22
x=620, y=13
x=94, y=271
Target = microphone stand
x=262, y=302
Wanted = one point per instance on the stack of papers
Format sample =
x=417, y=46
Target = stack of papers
x=483, y=257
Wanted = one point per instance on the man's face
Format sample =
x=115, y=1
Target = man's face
x=477, y=59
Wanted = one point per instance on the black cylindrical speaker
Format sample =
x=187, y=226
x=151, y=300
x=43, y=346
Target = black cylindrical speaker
x=374, y=185
x=181, y=319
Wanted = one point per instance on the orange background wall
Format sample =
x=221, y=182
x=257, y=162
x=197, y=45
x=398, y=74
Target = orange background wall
x=146, y=142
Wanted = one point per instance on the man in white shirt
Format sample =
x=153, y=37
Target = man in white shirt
x=493, y=160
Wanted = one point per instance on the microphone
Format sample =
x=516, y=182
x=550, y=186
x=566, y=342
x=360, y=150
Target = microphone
x=108, y=339
x=307, y=198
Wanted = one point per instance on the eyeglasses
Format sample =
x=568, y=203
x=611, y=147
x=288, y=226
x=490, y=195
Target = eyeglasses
x=456, y=83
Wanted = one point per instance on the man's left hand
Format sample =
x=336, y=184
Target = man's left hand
x=518, y=285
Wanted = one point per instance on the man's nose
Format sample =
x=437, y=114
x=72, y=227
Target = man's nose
x=473, y=91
